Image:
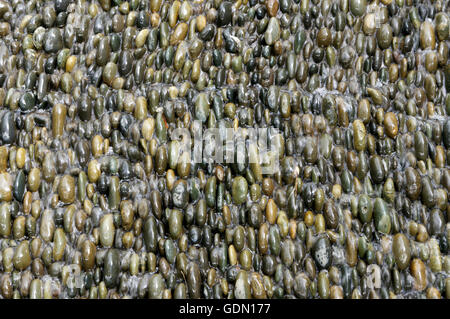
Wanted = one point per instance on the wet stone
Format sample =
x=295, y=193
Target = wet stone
x=322, y=252
x=273, y=31
x=224, y=13
x=53, y=41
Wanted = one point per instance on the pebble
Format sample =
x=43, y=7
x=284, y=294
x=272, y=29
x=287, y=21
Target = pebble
x=419, y=273
x=59, y=113
x=427, y=35
x=391, y=124
x=239, y=190
x=402, y=251
x=5, y=187
x=381, y=216
x=8, y=128
x=224, y=13
x=273, y=31
x=111, y=267
x=66, y=189
x=272, y=7
x=22, y=258
x=322, y=252
x=107, y=230
x=358, y=7
x=53, y=41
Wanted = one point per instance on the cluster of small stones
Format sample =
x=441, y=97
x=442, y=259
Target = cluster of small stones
x=95, y=204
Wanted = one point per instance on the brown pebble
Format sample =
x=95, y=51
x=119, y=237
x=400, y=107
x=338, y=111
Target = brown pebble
x=5, y=187
x=272, y=7
x=418, y=271
x=391, y=124
x=66, y=189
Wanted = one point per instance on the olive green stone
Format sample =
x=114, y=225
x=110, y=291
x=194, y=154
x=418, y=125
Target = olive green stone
x=236, y=64
x=176, y=223
x=62, y=57
x=202, y=107
x=358, y=7
x=354, y=94
x=359, y=135
x=331, y=56
x=376, y=95
x=389, y=190
x=442, y=26
x=377, y=170
x=323, y=285
x=302, y=285
x=53, y=41
x=180, y=56
x=325, y=144
x=224, y=13
x=48, y=167
x=47, y=226
x=109, y=72
x=36, y=289
x=384, y=36
x=103, y=51
x=299, y=40
x=431, y=62
x=22, y=257
x=111, y=267
x=369, y=23
x=161, y=130
x=173, y=153
x=427, y=35
x=381, y=216
x=273, y=31
x=421, y=146
x=114, y=193
x=66, y=82
x=193, y=280
x=170, y=250
x=324, y=37
x=402, y=251
x=365, y=208
x=179, y=33
x=239, y=190
x=210, y=191
x=430, y=87
x=59, y=244
x=27, y=101
x=185, y=11
x=150, y=234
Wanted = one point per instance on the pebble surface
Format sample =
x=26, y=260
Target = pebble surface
x=91, y=179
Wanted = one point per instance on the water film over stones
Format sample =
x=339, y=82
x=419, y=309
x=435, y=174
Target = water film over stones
x=98, y=199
